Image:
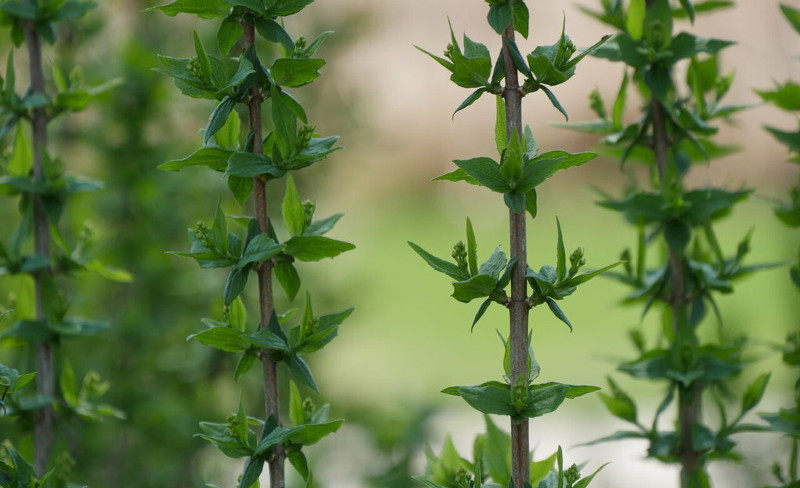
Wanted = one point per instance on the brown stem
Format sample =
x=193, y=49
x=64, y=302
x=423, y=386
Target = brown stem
x=264, y=270
x=518, y=306
x=45, y=379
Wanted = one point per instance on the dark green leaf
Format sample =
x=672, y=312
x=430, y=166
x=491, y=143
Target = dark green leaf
x=485, y=171
x=310, y=434
x=301, y=372
x=293, y=72
x=252, y=470
x=267, y=339
x=470, y=100
x=500, y=15
x=478, y=286
x=287, y=276
x=260, y=248
x=248, y=165
x=557, y=311
x=234, y=285
x=218, y=118
x=19, y=9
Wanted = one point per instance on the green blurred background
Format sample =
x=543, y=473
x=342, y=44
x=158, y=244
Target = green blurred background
x=407, y=339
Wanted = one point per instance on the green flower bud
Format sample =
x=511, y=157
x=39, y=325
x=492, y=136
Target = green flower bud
x=460, y=255
x=195, y=68
x=202, y=235
x=304, y=135
x=572, y=475
x=308, y=410
x=463, y=478
x=308, y=208
x=576, y=261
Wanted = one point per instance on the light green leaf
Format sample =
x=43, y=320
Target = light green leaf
x=314, y=248
x=226, y=339
x=634, y=20
x=294, y=215
x=205, y=9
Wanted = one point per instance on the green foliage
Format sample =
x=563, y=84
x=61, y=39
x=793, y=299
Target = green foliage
x=250, y=160
x=489, y=466
x=41, y=250
x=516, y=174
x=673, y=133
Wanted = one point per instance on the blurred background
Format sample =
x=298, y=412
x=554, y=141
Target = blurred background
x=407, y=340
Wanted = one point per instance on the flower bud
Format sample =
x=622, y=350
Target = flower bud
x=572, y=475
x=460, y=255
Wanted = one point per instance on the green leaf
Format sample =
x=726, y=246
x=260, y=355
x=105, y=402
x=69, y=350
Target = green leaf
x=789, y=139
x=218, y=118
x=634, y=20
x=288, y=278
x=472, y=249
x=474, y=96
x=540, y=168
x=205, y=9
x=220, y=230
x=512, y=161
x=491, y=397
x=792, y=15
x=22, y=10
x=228, y=34
x=247, y=361
x=785, y=96
x=293, y=72
x=301, y=372
x=620, y=403
x=754, y=393
x=557, y=311
x=450, y=269
x=267, y=339
x=561, y=255
x=314, y=248
x=677, y=233
x=294, y=215
x=274, y=32
x=478, y=286
x=521, y=18
x=234, y=285
x=226, y=339
x=284, y=120
x=486, y=172
x=500, y=15
x=210, y=157
x=500, y=137
x=252, y=470
x=260, y=248
x=249, y=165
x=21, y=160
x=588, y=275
x=310, y=434
x=496, y=453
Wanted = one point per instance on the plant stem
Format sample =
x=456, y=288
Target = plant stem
x=264, y=270
x=45, y=379
x=685, y=341
x=518, y=307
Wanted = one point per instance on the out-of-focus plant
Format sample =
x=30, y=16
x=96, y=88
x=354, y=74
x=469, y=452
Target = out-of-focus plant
x=786, y=96
x=674, y=132
x=37, y=178
x=250, y=160
x=520, y=170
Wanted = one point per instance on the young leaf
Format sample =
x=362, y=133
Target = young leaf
x=557, y=311
x=234, y=285
x=634, y=20
x=754, y=393
x=561, y=263
x=450, y=269
x=287, y=276
x=472, y=249
x=293, y=213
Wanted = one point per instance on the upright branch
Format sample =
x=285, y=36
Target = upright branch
x=519, y=308
x=517, y=174
x=264, y=271
x=45, y=382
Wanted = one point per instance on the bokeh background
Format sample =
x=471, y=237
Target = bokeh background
x=407, y=339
